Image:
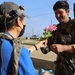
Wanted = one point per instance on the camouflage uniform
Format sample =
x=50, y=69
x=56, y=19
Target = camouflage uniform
x=65, y=63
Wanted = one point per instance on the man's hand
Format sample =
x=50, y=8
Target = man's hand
x=58, y=48
x=41, y=44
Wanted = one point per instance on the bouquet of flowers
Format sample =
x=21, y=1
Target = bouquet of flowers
x=47, y=35
x=48, y=31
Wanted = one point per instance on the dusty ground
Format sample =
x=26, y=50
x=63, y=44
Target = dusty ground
x=41, y=60
x=38, y=54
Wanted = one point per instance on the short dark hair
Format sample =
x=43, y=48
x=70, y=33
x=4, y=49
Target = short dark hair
x=61, y=4
x=9, y=12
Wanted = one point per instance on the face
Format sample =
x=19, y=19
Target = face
x=21, y=25
x=61, y=14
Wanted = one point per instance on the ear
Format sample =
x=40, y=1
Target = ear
x=19, y=22
x=68, y=11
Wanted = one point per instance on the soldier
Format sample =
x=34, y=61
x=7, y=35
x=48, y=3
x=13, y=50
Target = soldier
x=64, y=40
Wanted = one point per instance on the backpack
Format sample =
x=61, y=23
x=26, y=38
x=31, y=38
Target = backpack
x=15, y=53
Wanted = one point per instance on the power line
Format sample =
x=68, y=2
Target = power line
x=40, y=7
x=42, y=14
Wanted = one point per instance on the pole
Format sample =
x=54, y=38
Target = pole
x=51, y=21
x=32, y=31
x=74, y=9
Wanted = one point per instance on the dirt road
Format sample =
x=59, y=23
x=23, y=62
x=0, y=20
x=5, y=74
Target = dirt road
x=38, y=54
x=41, y=60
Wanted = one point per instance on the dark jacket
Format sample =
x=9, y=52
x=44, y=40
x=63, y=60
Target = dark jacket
x=66, y=36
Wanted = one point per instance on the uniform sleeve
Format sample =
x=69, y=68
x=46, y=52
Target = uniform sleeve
x=73, y=45
x=25, y=63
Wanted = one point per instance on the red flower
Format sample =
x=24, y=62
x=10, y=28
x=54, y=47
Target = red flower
x=45, y=29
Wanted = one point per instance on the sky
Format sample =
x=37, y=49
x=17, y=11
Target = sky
x=40, y=14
